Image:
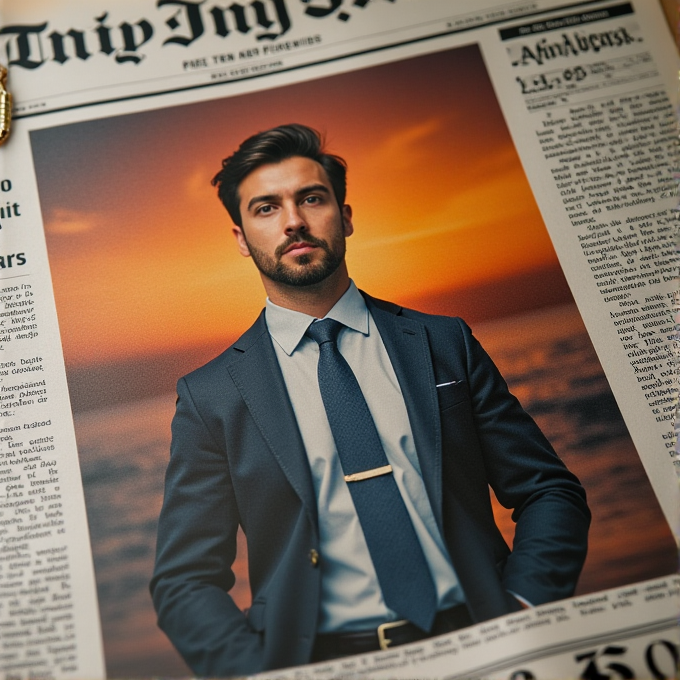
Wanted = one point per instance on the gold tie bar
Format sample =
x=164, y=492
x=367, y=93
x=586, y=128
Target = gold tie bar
x=368, y=474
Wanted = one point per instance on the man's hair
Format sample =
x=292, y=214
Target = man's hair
x=274, y=146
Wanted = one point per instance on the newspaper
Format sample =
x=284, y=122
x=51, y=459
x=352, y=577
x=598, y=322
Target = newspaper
x=510, y=162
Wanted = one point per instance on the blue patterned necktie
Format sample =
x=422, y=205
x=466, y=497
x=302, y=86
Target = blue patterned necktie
x=396, y=553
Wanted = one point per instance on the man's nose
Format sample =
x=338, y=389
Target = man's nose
x=294, y=219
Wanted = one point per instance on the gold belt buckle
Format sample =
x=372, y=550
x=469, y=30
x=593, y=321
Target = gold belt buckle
x=383, y=641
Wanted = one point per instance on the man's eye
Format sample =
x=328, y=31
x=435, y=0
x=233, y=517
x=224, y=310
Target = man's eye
x=264, y=209
x=311, y=200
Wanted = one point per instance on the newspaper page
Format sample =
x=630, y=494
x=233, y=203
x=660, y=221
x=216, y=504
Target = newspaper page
x=510, y=163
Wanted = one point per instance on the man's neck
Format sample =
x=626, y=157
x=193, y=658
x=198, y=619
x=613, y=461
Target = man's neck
x=316, y=300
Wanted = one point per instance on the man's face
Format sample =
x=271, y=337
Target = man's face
x=292, y=227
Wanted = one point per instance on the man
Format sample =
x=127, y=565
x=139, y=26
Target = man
x=354, y=441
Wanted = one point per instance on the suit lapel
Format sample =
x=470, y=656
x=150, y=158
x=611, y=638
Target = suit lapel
x=257, y=375
x=408, y=347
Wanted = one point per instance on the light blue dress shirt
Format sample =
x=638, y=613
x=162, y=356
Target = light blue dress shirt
x=351, y=599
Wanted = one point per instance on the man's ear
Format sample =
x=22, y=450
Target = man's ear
x=347, y=226
x=240, y=241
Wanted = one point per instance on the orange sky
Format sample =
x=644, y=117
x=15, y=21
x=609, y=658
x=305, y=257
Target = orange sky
x=140, y=248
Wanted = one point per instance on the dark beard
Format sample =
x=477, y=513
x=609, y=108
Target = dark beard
x=304, y=274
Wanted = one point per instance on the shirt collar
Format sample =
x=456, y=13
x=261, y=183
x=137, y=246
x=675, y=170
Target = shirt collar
x=288, y=327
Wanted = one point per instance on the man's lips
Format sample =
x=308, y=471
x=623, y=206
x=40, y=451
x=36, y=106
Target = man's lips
x=300, y=248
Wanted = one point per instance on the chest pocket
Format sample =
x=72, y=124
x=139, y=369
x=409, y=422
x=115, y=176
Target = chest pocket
x=452, y=393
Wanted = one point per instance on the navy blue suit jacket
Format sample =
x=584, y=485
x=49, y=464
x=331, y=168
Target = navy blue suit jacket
x=237, y=458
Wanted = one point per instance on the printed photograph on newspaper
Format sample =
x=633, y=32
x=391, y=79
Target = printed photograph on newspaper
x=150, y=284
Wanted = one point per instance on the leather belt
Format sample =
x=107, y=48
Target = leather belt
x=329, y=646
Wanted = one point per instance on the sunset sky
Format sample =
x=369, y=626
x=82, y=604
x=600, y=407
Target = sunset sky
x=141, y=250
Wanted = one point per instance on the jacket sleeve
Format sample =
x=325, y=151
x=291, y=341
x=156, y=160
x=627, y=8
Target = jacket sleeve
x=195, y=551
x=548, y=502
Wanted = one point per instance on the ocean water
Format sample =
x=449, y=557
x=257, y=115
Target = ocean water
x=549, y=363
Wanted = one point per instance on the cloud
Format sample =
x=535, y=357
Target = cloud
x=67, y=221
x=197, y=184
x=400, y=148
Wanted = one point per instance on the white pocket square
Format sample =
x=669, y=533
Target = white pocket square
x=453, y=382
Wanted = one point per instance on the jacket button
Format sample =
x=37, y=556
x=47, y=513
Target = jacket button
x=314, y=557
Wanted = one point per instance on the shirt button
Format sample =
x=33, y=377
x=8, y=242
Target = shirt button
x=314, y=557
